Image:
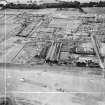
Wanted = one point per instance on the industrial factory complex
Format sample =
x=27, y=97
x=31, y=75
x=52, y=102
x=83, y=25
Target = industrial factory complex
x=52, y=56
x=72, y=39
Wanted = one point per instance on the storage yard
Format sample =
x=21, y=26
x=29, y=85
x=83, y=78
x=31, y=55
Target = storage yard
x=52, y=57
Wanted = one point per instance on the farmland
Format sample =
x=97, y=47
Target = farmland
x=41, y=52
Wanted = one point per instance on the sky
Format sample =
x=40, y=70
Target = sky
x=51, y=0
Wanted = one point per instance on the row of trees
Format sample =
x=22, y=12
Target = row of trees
x=93, y=4
x=74, y=4
x=45, y=5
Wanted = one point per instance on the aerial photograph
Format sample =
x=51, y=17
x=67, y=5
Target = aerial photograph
x=52, y=52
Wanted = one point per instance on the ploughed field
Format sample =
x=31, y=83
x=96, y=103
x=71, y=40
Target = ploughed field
x=27, y=79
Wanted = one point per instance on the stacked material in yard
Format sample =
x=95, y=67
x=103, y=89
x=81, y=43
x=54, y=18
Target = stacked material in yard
x=89, y=61
x=54, y=52
x=85, y=48
x=44, y=52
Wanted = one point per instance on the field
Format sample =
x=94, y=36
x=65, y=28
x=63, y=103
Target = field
x=26, y=74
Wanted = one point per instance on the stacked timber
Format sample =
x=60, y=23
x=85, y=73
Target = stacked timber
x=54, y=52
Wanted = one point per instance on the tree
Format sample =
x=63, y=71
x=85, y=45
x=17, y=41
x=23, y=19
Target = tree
x=76, y=3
